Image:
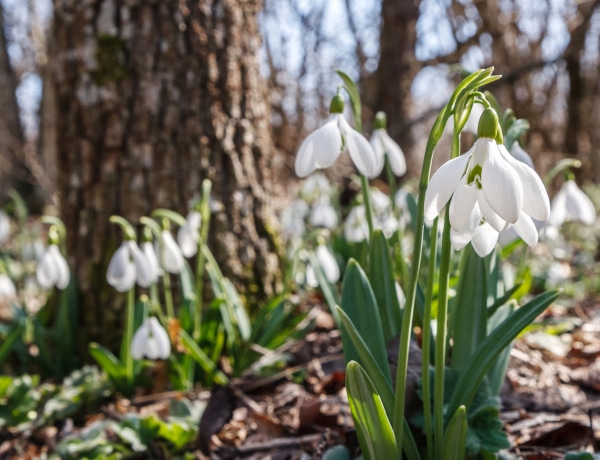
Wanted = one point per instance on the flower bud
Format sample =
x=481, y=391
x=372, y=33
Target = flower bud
x=380, y=121
x=488, y=124
x=337, y=104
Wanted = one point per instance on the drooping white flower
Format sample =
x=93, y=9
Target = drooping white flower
x=187, y=235
x=315, y=187
x=328, y=264
x=323, y=147
x=171, y=258
x=127, y=266
x=323, y=214
x=384, y=145
x=150, y=341
x=8, y=291
x=155, y=271
x=570, y=203
x=292, y=218
x=4, y=226
x=356, y=227
x=52, y=269
x=487, y=187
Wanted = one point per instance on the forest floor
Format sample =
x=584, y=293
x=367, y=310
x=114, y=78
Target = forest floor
x=550, y=400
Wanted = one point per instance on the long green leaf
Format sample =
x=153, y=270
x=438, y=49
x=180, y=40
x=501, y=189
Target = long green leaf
x=202, y=359
x=455, y=436
x=471, y=376
x=373, y=427
x=9, y=342
x=381, y=277
x=469, y=308
x=358, y=301
x=107, y=361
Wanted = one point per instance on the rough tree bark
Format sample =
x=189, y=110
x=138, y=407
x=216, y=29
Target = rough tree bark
x=153, y=97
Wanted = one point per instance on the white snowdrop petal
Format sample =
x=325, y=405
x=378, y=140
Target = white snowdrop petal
x=459, y=239
x=161, y=338
x=63, y=274
x=187, y=242
x=148, y=250
x=173, y=258
x=327, y=143
x=304, y=164
x=4, y=226
x=462, y=203
x=484, y=239
x=558, y=212
x=395, y=155
x=139, y=341
x=46, y=271
x=328, y=264
x=143, y=269
x=526, y=229
x=118, y=264
x=521, y=155
x=359, y=149
x=489, y=214
x=535, y=197
x=501, y=185
x=311, y=278
x=442, y=185
x=578, y=204
x=376, y=142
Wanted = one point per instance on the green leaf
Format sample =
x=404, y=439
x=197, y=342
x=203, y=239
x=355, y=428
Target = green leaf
x=9, y=341
x=381, y=276
x=468, y=325
x=107, y=361
x=456, y=435
x=373, y=427
x=202, y=359
x=352, y=90
x=358, y=302
x=472, y=375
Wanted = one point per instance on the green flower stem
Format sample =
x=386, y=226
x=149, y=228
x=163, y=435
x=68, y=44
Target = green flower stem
x=411, y=292
x=392, y=182
x=426, y=341
x=168, y=294
x=201, y=260
x=126, y=348
x=440, y=340
x=564, y=164
x=364, y=182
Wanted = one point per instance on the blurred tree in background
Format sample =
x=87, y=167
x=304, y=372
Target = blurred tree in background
x=142, y=100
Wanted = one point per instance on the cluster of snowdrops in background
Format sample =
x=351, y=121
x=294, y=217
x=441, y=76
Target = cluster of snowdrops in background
x=495, y=205
x=511, y=184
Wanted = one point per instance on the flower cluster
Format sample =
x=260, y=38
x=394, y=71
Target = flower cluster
x=488, y=191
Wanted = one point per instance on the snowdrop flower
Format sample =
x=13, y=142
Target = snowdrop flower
x=52, y=269
x=187, y=236
x=570, y=203
x=323, y=214
x=127, y=266
x=4, y=226
x=328, y=264
x=322, y=147
x=7, y=288
x=171, y=257
x=316, y=186
x=490, y=190
x=292, y=218
x=356, y=227
x=384, y=145
x=154, y=267
x=150, y=341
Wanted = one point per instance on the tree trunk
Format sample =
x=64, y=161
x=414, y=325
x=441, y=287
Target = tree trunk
x=14, y=172
x=153, y=97
x=389, y=88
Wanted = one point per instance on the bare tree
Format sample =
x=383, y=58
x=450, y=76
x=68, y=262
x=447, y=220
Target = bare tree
x=151, y=98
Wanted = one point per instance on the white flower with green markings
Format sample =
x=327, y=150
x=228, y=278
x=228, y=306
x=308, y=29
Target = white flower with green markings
x=322, y=147
x=570, y=203
x=150, y=341
x=488, y=191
